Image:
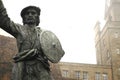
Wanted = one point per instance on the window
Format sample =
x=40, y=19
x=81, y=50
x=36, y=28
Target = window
x=85, y=75
x=77, y=75
x=105, y=76
x=118, y=51
x=108, y=54
x=119, y=70
x=108, y=3
x=104, y=44
x=65, y=73
x=97, y=76
x=116, y=34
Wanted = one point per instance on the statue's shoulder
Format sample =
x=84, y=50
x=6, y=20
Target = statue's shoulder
x=41, y=30
x=19, y=26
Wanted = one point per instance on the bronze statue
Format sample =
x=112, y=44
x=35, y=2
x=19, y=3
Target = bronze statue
x=35, y=46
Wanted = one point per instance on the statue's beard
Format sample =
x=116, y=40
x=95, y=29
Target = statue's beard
x=30, y=21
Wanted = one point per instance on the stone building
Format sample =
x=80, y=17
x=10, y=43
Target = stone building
x=107, y=40
x=107, y=43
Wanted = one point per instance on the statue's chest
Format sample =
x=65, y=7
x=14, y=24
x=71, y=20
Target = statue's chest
x=30, y=39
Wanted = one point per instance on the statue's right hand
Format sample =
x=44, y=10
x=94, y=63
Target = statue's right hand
x=1, y=5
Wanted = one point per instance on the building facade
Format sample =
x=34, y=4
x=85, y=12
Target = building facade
x=79, y=71
x=107, y=40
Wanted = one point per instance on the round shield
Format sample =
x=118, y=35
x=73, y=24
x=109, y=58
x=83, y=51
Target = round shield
x=51, y=46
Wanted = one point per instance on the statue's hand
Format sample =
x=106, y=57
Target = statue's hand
x=1, y=6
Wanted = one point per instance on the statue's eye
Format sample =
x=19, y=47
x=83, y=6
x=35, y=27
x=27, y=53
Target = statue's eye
x=33, y=13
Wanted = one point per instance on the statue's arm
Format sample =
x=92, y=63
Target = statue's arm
x=5, y=22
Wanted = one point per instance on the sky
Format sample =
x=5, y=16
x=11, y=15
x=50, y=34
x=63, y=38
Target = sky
x=73, y=22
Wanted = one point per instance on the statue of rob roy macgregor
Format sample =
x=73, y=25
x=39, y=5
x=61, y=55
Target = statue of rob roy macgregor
x=35, y=46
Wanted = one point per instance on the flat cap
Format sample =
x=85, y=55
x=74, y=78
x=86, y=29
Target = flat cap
x=30, y=7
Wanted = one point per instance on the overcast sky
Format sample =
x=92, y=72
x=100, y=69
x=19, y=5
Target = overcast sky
x=72, y=21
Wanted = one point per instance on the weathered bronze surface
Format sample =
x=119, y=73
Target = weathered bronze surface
x=51, y=46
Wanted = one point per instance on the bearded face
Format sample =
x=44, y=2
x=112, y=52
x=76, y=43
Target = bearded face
x=31, y=17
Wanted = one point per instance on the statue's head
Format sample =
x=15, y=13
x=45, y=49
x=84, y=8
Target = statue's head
x=30, y=15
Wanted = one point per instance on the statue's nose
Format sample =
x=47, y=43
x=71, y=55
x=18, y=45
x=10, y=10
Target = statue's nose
x=30, y=14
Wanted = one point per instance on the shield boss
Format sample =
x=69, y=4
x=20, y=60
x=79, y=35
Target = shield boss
x=51, y=46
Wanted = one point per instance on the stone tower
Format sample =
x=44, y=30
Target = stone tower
x=107, y=40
